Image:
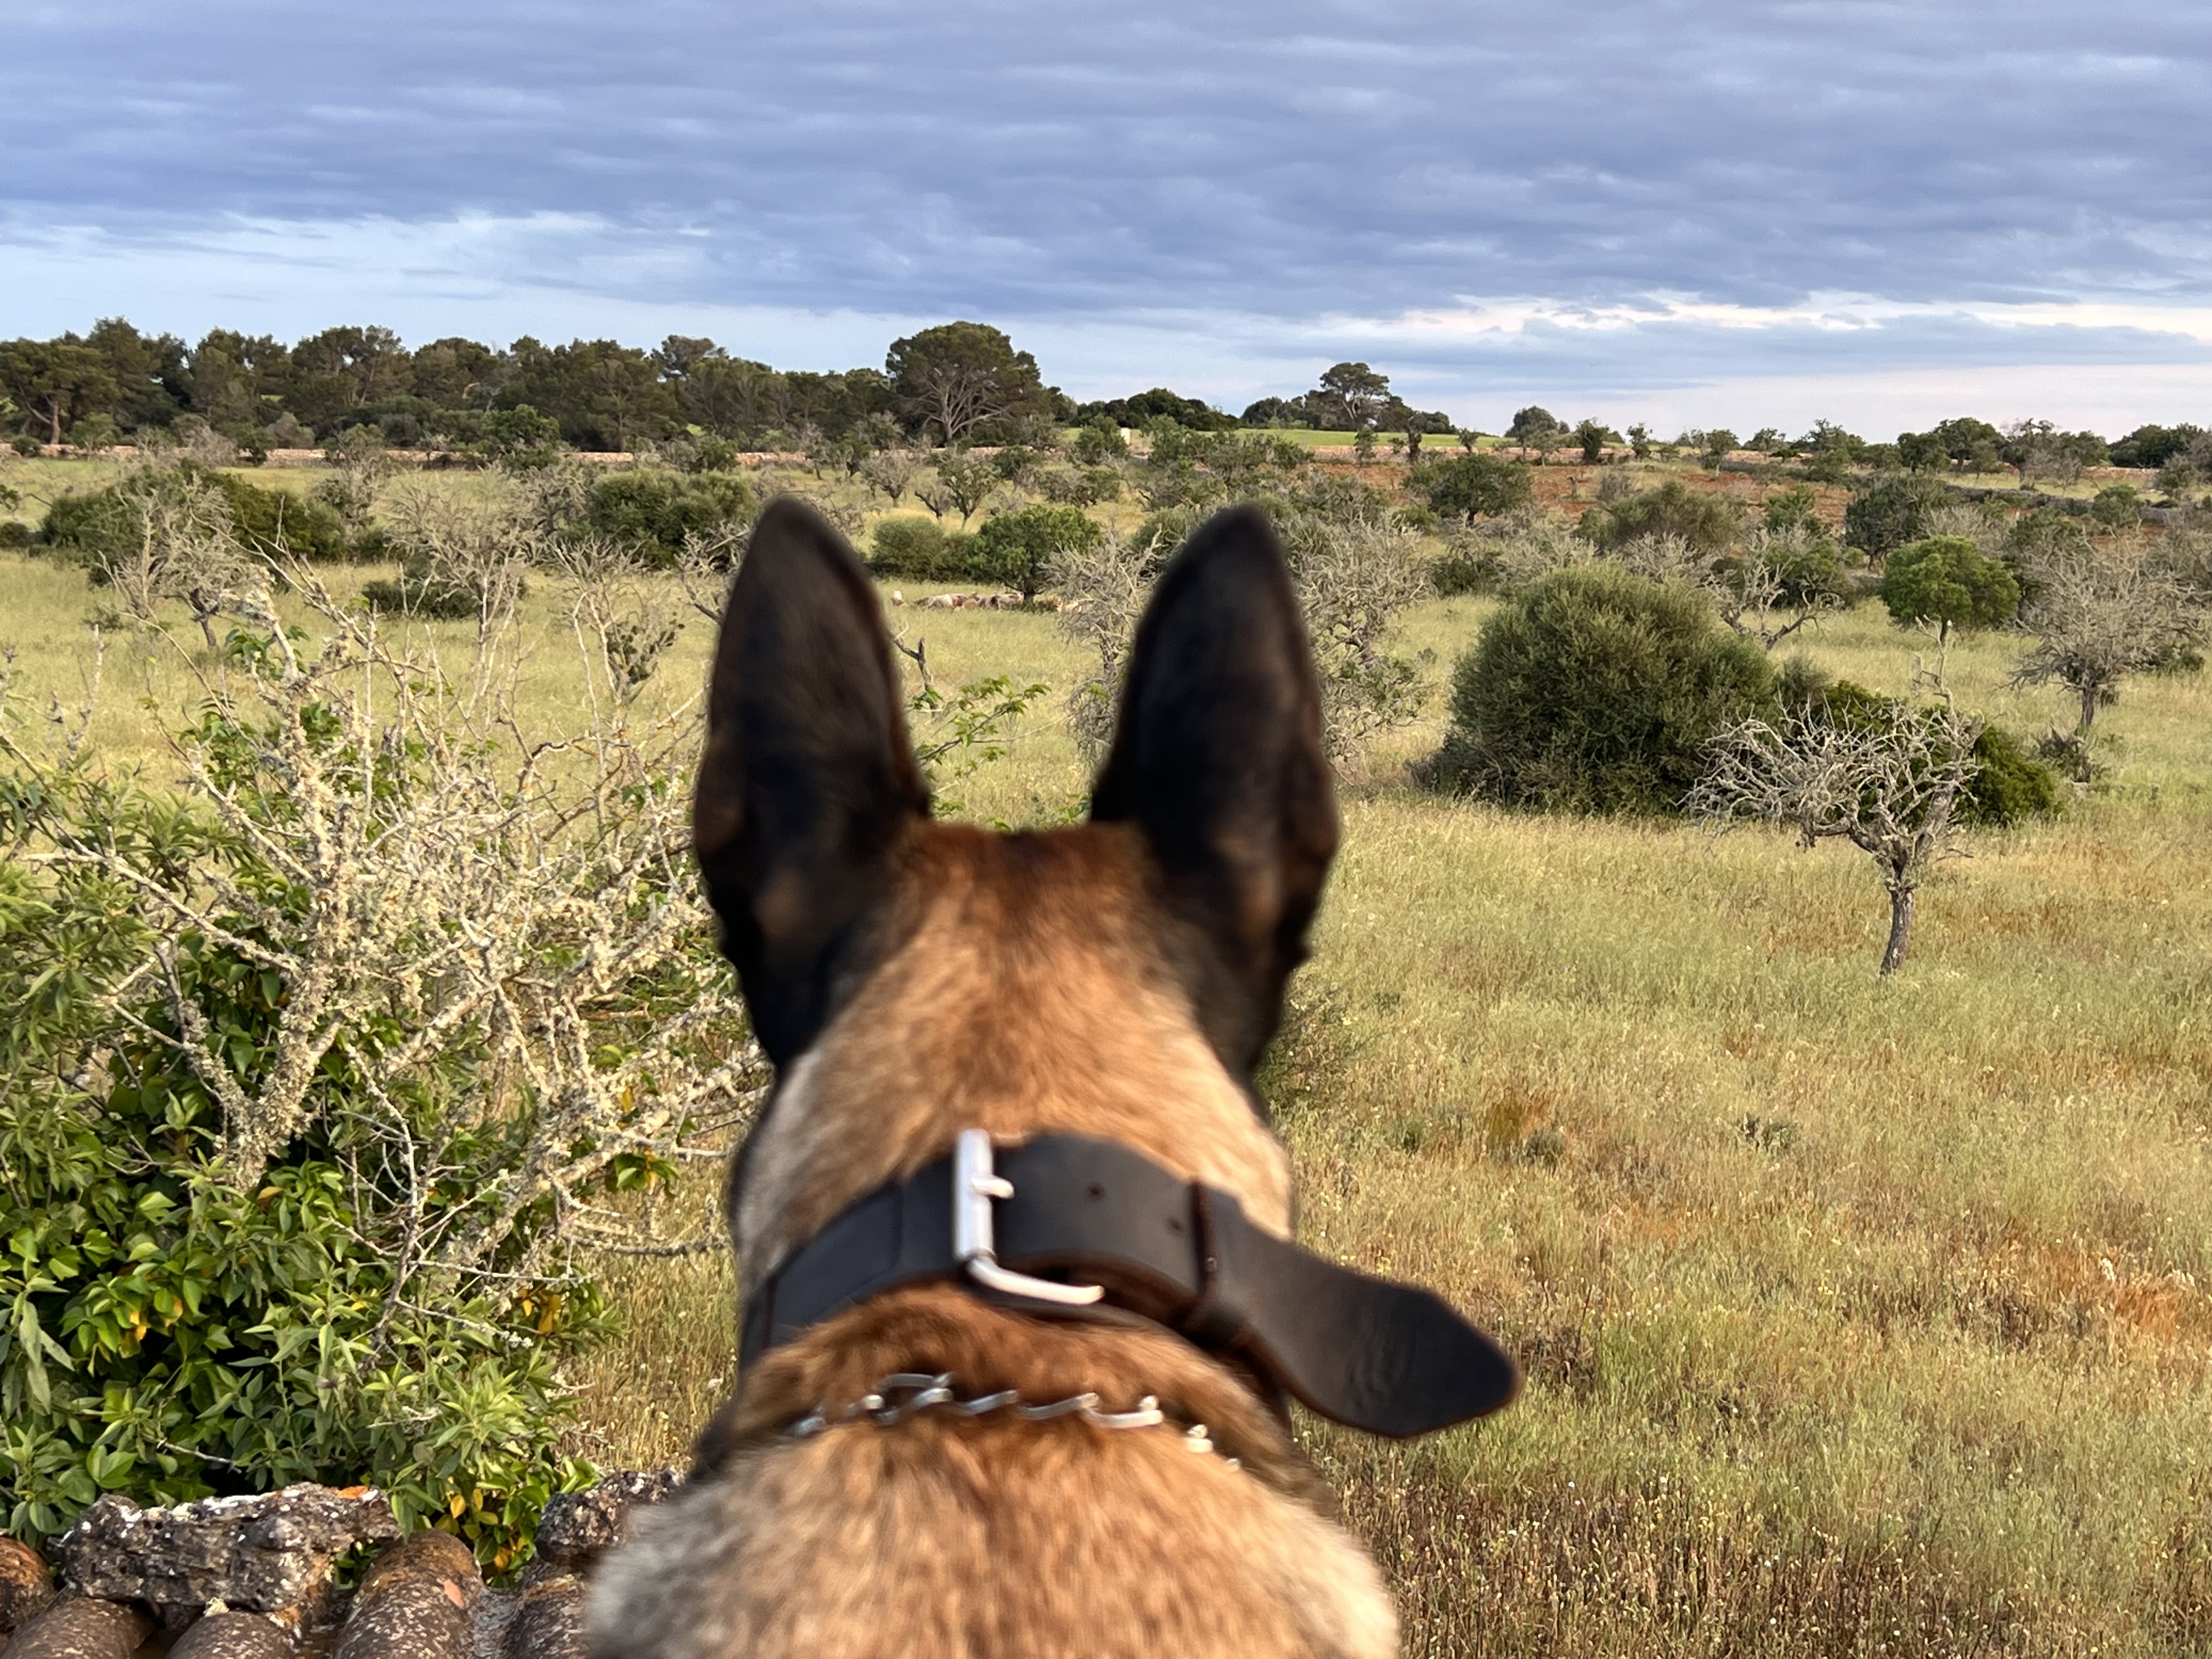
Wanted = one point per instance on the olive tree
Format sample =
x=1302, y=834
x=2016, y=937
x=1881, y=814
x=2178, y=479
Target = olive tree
x=964, y=480
x=1890, y=787
x=173, y=537
x=892, y=471
x=2100, y=614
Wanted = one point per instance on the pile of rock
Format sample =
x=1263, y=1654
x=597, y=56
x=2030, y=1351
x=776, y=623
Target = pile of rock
x=254, y=1578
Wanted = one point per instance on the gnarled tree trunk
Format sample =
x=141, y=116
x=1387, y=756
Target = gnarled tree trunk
x=1900, y=928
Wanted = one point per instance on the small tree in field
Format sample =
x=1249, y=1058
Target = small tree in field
x=964, y=480
x=1107, y=584
x=1890, y=787
x=174, y=538
x=891, y=471
x=1594, y=435
x=2101, y=614
x=1949, y=582
x=1354, y=577
x=1019, y=549
x=1474, y=486
x=359, y=464
x=1536, y=428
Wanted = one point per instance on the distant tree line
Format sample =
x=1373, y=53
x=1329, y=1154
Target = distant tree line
x=959, y=381
x=956, y=384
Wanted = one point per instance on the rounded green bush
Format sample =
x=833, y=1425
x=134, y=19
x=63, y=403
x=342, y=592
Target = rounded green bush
x=1474, y=486
x=1892, y=511
x=650, y=509
x=91, y=525
x=1017, y=549
x=919, y=549
x=1597, y=691
x=1949, y=581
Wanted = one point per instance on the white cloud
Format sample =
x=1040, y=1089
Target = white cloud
x=1662, y=203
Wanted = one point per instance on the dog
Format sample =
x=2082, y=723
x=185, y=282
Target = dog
x=938, y=1447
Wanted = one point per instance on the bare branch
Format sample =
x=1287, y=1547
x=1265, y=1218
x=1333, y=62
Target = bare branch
x=1889, y=787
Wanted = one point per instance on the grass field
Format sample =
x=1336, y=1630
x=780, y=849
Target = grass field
x=1860, y=1316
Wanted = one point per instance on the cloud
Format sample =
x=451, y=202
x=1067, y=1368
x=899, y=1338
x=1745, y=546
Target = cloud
x=1626, y=198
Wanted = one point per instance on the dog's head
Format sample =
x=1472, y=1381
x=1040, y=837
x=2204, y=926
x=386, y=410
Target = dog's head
x=910, y=979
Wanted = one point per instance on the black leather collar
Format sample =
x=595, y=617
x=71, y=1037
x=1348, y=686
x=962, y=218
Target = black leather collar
x=1390, y=1358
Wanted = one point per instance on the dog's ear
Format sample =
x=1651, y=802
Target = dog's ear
x=808, y=783
x=1219, y=760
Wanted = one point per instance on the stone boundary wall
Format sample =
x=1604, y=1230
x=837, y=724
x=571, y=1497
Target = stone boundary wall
x=256, y=1577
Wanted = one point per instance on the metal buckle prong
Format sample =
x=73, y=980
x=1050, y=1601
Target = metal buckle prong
x=975, y=1184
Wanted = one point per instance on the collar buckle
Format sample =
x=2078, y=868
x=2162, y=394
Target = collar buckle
x=975, y=1183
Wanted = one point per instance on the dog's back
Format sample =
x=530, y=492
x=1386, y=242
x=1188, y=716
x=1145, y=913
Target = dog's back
x=912, y=981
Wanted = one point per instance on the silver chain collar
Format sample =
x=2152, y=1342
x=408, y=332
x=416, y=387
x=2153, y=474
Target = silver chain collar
x=903, y=1394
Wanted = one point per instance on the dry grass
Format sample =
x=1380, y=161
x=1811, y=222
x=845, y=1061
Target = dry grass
x=1861, y=1317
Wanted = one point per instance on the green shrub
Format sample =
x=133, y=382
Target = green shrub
x=1706, y=519
x=1017, y=549
x=274, y=522
x=1949, y=581
x=1596, y=690
x=521, y=437
x=169, y=1334
x=2009, y=786
x=1472, y=486
x=92, y=525
x=919, y=549
x=2012, y=785
x=15, y=534
x=2117, y=507
x=420, y=590
x=1890, y=512
x=1465, y=572
x=649, y=510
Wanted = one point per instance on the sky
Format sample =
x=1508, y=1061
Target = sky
x=1688, y=213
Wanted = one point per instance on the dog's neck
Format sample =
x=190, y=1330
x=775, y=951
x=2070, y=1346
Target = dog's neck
x=1023, y=994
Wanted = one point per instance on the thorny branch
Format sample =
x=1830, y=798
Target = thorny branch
x=482, y=941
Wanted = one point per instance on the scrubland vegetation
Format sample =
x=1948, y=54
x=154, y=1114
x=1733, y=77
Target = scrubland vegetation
x=1864, y=1313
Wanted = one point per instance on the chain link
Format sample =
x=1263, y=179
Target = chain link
x=904, y=1395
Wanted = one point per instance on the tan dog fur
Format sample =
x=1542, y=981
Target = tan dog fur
x=1029, y=986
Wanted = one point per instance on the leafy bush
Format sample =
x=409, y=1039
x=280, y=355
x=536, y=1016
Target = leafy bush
x=1018, y=549
x=422, y=590
x=2117, y=507
x=1596, y=690
x=97, y=526
x=315, y=1080
x=920, y=550
x=1472, y=486
x=649, y=510
x=1466, y=569
x=2012, y=785
x=1705, y=520
x=2009, y=785
x=1893, y=511
x=1949, y=581
x=171, y=1334
x=274, y=523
